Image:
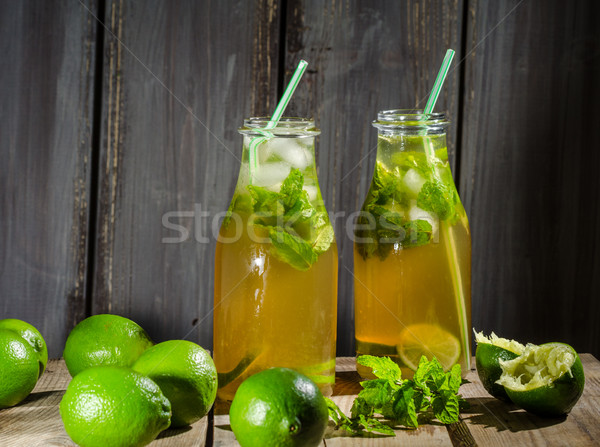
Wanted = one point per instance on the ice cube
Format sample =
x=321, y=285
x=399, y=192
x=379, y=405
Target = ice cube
x=413, y=181
x=311, y=191
x=416, y=213
x=290, y=151
x=270, y=174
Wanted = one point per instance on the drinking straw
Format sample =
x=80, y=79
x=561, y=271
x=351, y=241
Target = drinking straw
x=444, y=228
x=439, y=82
x=283, y=102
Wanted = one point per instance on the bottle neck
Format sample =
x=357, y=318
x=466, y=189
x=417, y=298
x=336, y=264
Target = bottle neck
x=410, y=132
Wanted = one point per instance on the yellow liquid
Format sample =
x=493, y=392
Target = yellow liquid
x=414, y=286
x=269, y=314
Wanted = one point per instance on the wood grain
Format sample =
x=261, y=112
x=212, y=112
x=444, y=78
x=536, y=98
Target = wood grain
x=364, y=57
x=180, y=77
x=493, y=422
x=46, y=92
x=489, y=422
x=529, y=170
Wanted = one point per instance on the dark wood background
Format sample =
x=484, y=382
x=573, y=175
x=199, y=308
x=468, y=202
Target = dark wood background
x=113, y=113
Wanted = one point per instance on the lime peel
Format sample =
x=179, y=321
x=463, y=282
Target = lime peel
x=504, y=343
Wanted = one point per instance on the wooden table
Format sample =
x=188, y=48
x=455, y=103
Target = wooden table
x=489, y=422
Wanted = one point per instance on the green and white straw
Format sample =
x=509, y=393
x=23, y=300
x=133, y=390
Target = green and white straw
x=283, y=102
x=447, y=234
x=439, y=82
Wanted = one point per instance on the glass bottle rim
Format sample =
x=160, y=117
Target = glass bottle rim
x=410, y=119
x=287, y=127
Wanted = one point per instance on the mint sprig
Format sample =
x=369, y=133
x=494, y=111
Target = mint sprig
x=389, y=401
x=297, y=230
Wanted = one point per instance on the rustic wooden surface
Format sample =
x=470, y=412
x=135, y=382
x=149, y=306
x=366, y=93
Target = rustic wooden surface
x=155, y=133
x=489, y=422
x=529, y=176
x=46, y=100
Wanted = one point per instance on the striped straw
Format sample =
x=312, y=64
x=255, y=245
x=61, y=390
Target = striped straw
x=439, y=82
x=447, y=234
x=283, y=102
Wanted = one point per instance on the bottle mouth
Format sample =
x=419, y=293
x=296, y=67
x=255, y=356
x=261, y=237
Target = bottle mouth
x=287, y=127
x=411, y=120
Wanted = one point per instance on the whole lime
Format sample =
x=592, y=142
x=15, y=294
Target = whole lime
x=278, y=407
x=113, y=406
x=490, y=350
x=547, y=380
x=187, y=376
x=19, y=368
x=33, y=337
x=104, y=340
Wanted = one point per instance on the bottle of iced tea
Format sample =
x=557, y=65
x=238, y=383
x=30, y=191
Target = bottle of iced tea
x=412, y=249
x=276, y=262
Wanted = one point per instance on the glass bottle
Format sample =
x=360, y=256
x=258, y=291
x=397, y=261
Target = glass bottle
x=412, y=250
x=275, y=292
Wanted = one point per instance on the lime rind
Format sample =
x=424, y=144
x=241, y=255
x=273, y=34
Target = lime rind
x=504, y=343
x=490, y=351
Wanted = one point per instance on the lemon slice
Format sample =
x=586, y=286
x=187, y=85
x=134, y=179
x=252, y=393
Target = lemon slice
x=429, y=340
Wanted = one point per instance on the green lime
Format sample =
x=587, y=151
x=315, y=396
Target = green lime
x=19, y=368
x=547, y=380
x=104, y=340
x=278, y=407
x=113, y=406
x=490, y=350
x=187, y=376
x=33, y=337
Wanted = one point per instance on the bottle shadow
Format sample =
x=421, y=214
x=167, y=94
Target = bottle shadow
x=494, y=413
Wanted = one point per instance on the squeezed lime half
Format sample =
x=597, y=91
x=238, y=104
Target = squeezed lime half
x=547, y=380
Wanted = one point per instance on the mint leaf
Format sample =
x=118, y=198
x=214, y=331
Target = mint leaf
x=383, y=367
x=376, y=393
x=264, y=200
x=437, y=197
x=337, y=414
x=417, y=232
x=404, y=406
x=291, y=188
x=323, y=240
x=371, y=425
x=455, y=381
x=445, y=407
x=361, y=407
x=301, y=209
x=292, y=249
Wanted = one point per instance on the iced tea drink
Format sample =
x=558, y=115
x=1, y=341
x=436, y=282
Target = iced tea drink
x=276, y=264
x=412, y=255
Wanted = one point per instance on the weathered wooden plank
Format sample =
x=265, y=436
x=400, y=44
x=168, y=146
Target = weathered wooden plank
x=180, y=78
x=364, y=57
x=36, y=421
x=529, y=163
x=493, y=422
x=46, y=92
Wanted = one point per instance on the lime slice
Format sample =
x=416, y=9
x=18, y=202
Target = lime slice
x=547, y=380
x=490, y=350
x=431, y=341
